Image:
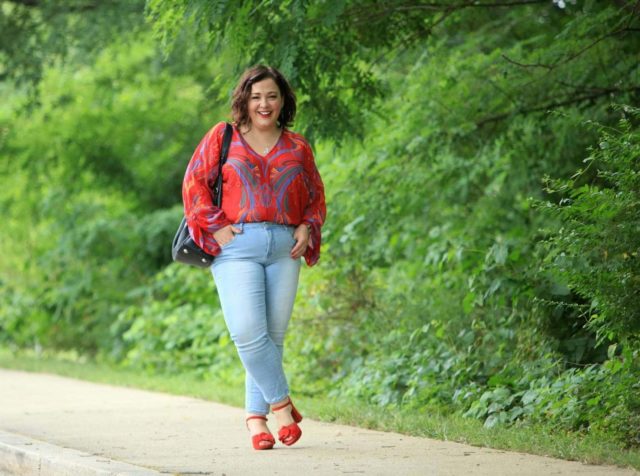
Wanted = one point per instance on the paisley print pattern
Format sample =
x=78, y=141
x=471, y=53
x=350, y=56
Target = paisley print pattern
x=283, y=186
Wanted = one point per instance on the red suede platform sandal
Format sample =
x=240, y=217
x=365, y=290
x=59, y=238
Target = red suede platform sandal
x=261, y=441
x=289, y=434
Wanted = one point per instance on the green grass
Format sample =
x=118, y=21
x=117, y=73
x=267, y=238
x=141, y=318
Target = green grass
x=593, y=449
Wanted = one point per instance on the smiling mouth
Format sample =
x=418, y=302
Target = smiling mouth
x=264, y=114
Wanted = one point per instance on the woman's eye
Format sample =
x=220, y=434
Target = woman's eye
x=271, y=97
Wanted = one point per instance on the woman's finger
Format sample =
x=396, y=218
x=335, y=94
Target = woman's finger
x=295, y=248
x=298, y=250
x=226, y=234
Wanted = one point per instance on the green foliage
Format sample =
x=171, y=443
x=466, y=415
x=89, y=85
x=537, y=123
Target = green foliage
x=535, y=56
x=596, y=251
x=36, y=34
x=176, y=326
x=92, y=178
x=453, y=277
x=570, y=400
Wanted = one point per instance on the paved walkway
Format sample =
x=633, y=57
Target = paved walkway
x=52, y=425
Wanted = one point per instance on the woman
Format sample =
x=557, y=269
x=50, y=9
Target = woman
x=272, y=210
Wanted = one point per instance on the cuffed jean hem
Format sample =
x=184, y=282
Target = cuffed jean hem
x=262, y=411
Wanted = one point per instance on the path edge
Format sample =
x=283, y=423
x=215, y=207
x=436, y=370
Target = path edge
x=23, y=456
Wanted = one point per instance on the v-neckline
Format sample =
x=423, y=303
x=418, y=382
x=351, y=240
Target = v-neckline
x=262, y=156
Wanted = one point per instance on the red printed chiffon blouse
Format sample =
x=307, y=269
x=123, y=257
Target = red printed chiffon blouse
x=283, y=186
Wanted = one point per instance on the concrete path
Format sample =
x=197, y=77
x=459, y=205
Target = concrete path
x=52, y=425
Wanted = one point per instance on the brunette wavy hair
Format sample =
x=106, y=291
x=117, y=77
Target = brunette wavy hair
x=240, y=99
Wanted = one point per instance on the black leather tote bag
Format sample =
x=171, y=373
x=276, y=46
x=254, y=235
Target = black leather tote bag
x=184, y=249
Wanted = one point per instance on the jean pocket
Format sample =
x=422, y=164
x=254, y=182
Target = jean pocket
x=235, y=235
x=228, y=243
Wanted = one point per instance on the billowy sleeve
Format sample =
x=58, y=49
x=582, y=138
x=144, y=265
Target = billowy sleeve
x=316, y=210
x=203, y=217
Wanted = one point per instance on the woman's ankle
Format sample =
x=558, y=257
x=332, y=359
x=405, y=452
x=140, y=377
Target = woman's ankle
x=256, y=424
x=283, y=413
x=281, y=405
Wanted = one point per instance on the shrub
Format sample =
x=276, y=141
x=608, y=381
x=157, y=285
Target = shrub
x=596, y=250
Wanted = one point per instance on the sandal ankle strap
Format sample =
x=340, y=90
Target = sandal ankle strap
x=280, y=407
x=256, y=417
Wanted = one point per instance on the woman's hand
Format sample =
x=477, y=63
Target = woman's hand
x=226, y=234
x=301, y=235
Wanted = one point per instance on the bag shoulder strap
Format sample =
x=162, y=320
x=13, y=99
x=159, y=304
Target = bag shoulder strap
x=224, y=152
x=226, y=142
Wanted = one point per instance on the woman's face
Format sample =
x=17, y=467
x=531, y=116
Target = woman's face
x=265, y=103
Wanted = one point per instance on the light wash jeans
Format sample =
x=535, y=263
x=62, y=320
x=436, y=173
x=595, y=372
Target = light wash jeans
x=257, y=282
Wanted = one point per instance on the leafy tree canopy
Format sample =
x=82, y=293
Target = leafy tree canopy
x=336, y=51
x=37, y=33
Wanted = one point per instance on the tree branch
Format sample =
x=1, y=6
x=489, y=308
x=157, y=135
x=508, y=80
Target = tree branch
x=578, y=53
x=384, y=11
x=471, y=4
x=409, y=41
x=554, y=105
x=26, y=3
x=64, y=8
